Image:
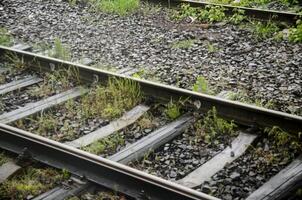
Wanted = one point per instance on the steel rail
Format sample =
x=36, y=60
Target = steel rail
x=241, y=113
x=102, y=171
x=262, y=14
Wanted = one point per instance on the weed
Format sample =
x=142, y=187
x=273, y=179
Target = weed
x=146, y=156
x=65, y=174
x=139, y=74
x=238, y=16
x=113, y=100
x=295, y=34
x=150, y=8
x=72, y=2
x=5, y=38
x=120, y=7
x=183, y=44
x=2, y=78
x=265, y=157
x=105, y=145
x=211, y=48
x=284, y=139
x=172, y=110
x=185, y=11
x=59, y=51
x=146, y=121
x=214, y=126
x=243, y=97
x=264, y=30
x=3, y=159
x=58, y=80
x=209, y=14
x=47, y=123
x=17, y=62
x=108, y=196
x=213, y=14
x=201, y=85
x=32, y=181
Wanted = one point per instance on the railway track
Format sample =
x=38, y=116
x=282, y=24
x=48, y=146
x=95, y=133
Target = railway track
x=258, y=13
x=57, y=100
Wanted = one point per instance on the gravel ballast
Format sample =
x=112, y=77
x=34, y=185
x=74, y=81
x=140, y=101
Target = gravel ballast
x=266, y=70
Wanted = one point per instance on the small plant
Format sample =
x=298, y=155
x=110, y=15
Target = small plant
x=58, y=80
x=59, y=51
x=284, y=139
x=47, y=123
x=113, y=100
x=17, y=62
x=184, y=44
x=173, y=110
x=146, y=121
x=209, y=14
x=213, y=14
x=5, y=38
x=238, y=16
x=243, y=97
x=214, y=126
x=211, y=48
x=72, y=2
x=201, y=85
x=139, y=74
x=185, y=11
x=264, y=30
x=295, y=34
x=3, y=159
x=65, y=174
x=106, y=145
x=30, y=182
x=120, y=7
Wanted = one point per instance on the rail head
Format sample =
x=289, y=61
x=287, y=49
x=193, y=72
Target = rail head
x=258, y=13
x=241, y=113
x=102, y=171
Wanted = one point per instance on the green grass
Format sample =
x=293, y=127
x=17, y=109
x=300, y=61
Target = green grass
x=31, y=181
x=120, y=7
x=243, y=97
x=263, y=30
x=3, y=159
x=208, y=14
x=295, y=34
x=173, y=110
x=5, y=38
x=183, y=44
x=212, y=126
x=112, y=100
x=58, y=80
x=60, y=51
x=283, y=139
x=201, y=85
x=107, y=144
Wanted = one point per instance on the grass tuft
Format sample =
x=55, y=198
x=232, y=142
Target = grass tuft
x=183, y=44
x=32, y=182
x=60, y=51
x=111, y=101
x=213, y=126
x=120, y=7
x=107, y=144
x=295, y=34
x=173, y=110
x=264, y=30
x=5, y=38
